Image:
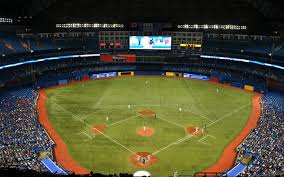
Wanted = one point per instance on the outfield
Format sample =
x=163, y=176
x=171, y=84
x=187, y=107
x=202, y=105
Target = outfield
x=101, y=130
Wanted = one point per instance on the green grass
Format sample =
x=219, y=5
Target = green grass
x=225, y=113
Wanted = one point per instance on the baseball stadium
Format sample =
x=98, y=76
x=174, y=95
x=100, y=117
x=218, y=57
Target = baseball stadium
x=141, y=88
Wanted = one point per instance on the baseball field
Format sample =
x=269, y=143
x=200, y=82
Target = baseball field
x=159, y=124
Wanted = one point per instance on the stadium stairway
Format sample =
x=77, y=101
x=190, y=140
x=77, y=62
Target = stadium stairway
x=236, y=170
x=53, y=167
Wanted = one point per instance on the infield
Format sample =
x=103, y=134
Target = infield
x=186, y=123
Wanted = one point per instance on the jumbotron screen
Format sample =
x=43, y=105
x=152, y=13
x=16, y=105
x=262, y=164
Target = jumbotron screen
x=150, y=42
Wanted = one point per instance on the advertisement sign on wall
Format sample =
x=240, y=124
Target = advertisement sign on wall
x=150, y=42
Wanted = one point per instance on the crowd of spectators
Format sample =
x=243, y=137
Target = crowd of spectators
x=242, y=71
x=22, y=137
x=266, y=142
x=21, y=134
x=7, y=172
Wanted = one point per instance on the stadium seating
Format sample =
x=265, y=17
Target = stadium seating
x=21, y=134
x=266, y=141
x=250, y=46
x=19, y=144
x=12, y=44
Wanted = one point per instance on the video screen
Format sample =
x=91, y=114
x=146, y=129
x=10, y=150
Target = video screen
x=103, y=75
x=150, y=42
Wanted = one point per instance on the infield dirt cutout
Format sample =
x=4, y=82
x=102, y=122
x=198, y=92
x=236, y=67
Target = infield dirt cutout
x=135, y=159
x=147, y=113
x=145, y=131
x=98, y=128
x=195, y=131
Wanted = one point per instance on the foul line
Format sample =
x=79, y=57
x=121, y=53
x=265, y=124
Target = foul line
x=159, y=117
x=93, y=127
x=201, y=140
x=109, y=107
x=122, y=121
x=192, y=135
x=166, y=147
x=199, y=115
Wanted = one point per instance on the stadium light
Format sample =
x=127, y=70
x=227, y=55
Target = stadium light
x=214, y=26
x=89, y=25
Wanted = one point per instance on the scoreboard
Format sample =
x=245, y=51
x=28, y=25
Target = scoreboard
x=187, y=40
x=173, y=40
x=150, y=42
x=114, y=39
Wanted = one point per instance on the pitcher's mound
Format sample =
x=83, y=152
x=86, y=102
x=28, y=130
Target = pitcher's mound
x=99, y=128
x=146, y=132
x=195, y=131
x=143, y=159
x=147, y=113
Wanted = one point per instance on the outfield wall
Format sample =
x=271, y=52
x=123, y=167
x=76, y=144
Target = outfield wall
x=71, y=77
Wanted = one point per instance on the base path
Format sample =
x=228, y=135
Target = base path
x=229, y=154
x=98, y=128
x=61, y=153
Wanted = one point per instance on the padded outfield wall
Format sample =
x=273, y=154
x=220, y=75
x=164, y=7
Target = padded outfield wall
x=257, y=87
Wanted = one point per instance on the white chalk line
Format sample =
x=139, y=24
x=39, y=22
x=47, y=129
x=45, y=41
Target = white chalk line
x=87, y=135
x=192, y=135
x=122, y=121
x=171, y=122
x=156, y=152
x=103, y=109
x=201, y=140
x=198, y=115
x=149, y=105
x=84, y=133
x=84, y=122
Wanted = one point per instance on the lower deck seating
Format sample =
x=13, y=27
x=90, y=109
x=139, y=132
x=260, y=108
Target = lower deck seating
x=266, y=141
x=20, y=131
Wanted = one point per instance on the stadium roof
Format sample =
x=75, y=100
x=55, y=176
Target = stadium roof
x=180, y=11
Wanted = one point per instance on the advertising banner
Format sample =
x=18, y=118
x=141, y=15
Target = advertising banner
x=150, y=42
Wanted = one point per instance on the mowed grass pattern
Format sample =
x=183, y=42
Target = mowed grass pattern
x=226, y=112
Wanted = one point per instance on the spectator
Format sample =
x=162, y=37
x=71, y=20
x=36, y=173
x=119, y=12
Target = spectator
x=266, y=142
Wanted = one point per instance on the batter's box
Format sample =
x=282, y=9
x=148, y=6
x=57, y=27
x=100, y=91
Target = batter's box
x=207, y=140
x=85, y=136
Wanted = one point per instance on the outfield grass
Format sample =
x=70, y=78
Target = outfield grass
x=73, y=109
